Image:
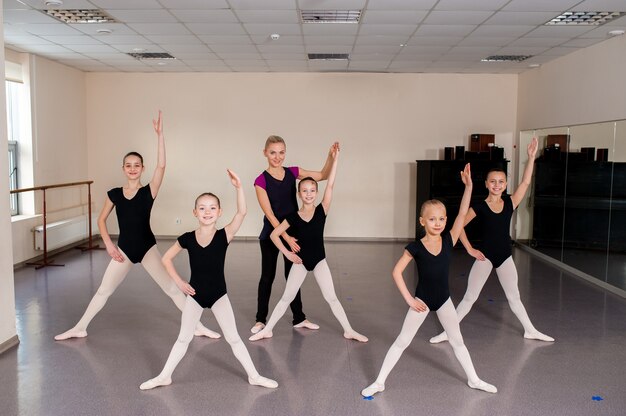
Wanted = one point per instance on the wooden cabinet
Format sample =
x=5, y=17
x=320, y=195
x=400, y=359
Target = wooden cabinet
x=441, y=179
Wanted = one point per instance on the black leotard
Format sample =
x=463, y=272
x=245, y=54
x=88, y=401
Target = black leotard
x=133, y=217
x=495, y=237
x=281, y=194
x=207, y=266
x=310, y=236
x=432, y=286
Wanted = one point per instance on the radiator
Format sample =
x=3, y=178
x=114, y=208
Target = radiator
x=64, y=232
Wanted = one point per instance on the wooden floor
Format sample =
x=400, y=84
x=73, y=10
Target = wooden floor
x=319, y=372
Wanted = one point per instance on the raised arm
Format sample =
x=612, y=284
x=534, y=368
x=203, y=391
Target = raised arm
x=168, y=263
x=322, y=174
x=398, y=269
x=275, y=236
x=328, y=192
x=159, y=171
x=519, y=193
x=232, y=228
x=459, y=222
x=112, y=249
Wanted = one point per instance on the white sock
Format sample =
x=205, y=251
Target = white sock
x=372, y=389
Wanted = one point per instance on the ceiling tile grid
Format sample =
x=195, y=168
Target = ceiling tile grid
x=269, y=36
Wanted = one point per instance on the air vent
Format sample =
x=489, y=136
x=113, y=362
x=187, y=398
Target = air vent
x=80, y=15
x=506, y=58
x=150, y=55
x=584, y=18
x=330, y=16
x=329, y=56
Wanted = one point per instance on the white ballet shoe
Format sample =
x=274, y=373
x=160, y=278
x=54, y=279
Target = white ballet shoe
x=307, y=324
x=355, y=336
x=155, y=382
x=263, y=382
x=72, y=333
x=538, y=336
x=203, y=331
x=372, y=389
x=482, y=385
x=257, y=327
x=439, y=338
x=261, y=335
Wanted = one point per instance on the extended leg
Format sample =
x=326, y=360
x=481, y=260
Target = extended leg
x=296, y=278
x=113, y=276
x=223, y=312
x=325, y=282
x=412, y=323
x=507, y=274
x=478, y=276
x=190, y=318
x=448, y=318
x=152, y=263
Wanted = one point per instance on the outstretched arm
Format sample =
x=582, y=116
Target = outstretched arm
x=328, y=192
x=275, y=236
x=398, y=269
x=459, y=222
x=232, y=228
x=159, y=171
x=477, y=254
x=168, y=263
x=519, y=193
x=322, y=174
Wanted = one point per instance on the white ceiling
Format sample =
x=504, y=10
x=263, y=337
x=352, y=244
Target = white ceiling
x=234, y=35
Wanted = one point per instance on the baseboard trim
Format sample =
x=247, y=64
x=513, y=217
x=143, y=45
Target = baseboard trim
x=572, y=270
x=10, y=343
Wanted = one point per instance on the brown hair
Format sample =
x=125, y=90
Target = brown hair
x=307, y=179
x=132, y=154
x=207, y=194
x=431, y=203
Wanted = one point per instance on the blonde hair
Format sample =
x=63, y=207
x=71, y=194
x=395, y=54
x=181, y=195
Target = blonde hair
x=431, y=203
x=274, y=139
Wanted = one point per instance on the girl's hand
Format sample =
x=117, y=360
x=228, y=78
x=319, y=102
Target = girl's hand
x=532, y=148
x=293, y=245
x=417, y=305
x=185, y=287
x=115, y=253
x=466, y=175
x=234, y=179
x=477, y=254
x=158, y=125
x=292, y=257
x=334, y=150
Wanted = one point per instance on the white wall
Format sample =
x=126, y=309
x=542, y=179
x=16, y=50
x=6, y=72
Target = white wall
x=59, y=150
x=214, y=121
x=586, y=86
x=8, y=330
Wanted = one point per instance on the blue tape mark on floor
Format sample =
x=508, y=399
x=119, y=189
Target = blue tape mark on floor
x=597, y=398
x=368, y=398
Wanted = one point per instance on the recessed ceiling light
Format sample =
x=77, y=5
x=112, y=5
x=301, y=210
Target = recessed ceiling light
x=54, y=3
x=274, y=36
x=506, y=58
x=104, y=31
x=617, y=32
x=534, y=65
x=330, y=16
x=402, y=45
x=161, y=63
x=80, y=15
x=585, y=18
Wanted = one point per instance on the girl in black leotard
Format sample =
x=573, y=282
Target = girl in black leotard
x=495, y=213
x=432, y=255
x=307, y=226
x=207, y=288
x=136, y=243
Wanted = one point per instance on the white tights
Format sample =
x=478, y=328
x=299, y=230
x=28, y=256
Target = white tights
x=114, y=275
x=325, y=282
x=412, y=322
x=507, y=274
x=225, y=317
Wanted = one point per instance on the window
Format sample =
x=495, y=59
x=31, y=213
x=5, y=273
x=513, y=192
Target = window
x=14, y=97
